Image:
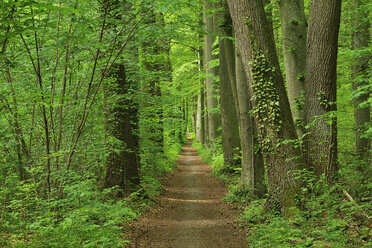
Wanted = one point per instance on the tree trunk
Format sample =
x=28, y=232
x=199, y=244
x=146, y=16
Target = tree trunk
x=256, y=45
x=294, y=49
x=211, y=95
x=320, y=86
x=122, y=162
x=362, y=114
x=205, y=118
x=230, y=128
x=253, y=171
x=200, y=104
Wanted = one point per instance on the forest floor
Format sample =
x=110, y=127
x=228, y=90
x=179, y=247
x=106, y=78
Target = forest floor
x=190, y=212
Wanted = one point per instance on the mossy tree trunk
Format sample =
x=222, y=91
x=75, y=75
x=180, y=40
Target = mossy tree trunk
x=274, y=119
x=253, y=170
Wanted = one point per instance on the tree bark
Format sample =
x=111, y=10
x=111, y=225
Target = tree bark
x=320, y=86
x=229, y=118
x=205, y=118
x=200, y=104
x=122, y=162
x=271, y=106
x=293, y=22
x=362, y=114
x=253, y=171
x=211, y=95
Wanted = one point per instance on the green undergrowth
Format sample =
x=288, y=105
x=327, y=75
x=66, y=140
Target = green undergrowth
x=86, y=215
x=324, y=218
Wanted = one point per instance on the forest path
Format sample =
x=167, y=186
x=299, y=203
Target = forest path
x=189, y=213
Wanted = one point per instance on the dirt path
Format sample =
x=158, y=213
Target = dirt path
x=190, y=212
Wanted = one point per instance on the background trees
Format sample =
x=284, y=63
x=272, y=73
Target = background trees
x=96, y=96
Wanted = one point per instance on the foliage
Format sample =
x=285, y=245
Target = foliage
x=323, y=221
x=86, y=217
x=55, y=62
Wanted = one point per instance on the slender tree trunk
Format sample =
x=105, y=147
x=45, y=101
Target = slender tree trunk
x=211, y=95
x=193, y=116
x=122, y=161
x=253, y=171
x=256, y=45
x=200, y=104
x=200, y=117
x=362, y=114
x=229, y=118
x=320, y=86
x=205, y=118
x=294, y=49
x=186, y=114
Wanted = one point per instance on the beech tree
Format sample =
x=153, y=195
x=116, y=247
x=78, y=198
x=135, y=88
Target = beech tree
x=253, y=170
x=229, y=118
x=270, y=103
x=122, y=160
x=214, y=119
x=199, y=127
x=293, y=23
x=96, y=98
x=320, y=86
x=360, y=35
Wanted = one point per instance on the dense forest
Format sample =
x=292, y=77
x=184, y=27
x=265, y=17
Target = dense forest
x=97, y=96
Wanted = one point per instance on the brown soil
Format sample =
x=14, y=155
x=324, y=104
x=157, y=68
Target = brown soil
x=190, y=212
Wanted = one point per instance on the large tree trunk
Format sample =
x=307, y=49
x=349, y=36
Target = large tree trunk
x=271, y=106
x=211, y=95
x=230, y=128
x=293, y=22
x=320, y=86
x=253, y=171
x=122, y=162
x=362, y=114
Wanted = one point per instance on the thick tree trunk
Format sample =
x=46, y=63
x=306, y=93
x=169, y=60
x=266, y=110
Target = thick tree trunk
x=211, y=95
x=362, y=114
x=229, y=118
x=122, y=161
x=320, y=86
x=294, y=49
x=253, y=171
x=271, y=106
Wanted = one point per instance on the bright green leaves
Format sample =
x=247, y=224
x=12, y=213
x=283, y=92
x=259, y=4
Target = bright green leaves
x=267, y=109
